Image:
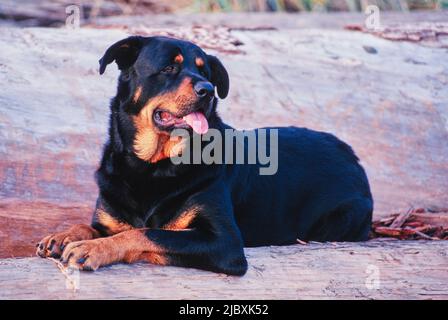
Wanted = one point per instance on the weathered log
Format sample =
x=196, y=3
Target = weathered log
x=54, y=113
x=53, y=12
x=24, y=223
x=370, y=270
x=426, y=33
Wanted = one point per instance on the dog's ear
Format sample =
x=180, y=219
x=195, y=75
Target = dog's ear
x=220, y=77
x=124, y=52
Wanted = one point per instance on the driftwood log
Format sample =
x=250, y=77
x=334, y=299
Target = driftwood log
x=370, y=270
x=385, y=98
x=388, y=103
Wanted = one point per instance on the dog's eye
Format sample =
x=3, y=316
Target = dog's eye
x=169, y=69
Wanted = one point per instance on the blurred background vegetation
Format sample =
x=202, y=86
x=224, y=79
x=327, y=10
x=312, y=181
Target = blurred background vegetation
x=53, y=12
x=311, y=5
x=298, y=5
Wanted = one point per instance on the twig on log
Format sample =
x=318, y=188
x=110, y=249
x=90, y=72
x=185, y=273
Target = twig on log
x=388, y=220
x=401, y=219
x=70, y=282
x=421, y=234
x=394, y=232
x=414, y=224
x=440, y=218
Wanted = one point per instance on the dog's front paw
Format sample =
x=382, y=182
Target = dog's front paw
x=53, y=245
x=90, y=254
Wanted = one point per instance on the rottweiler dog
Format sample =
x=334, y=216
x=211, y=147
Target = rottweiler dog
x=202, y=215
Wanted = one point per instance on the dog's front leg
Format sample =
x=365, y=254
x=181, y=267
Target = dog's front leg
x=186, y=248
x=213, y=242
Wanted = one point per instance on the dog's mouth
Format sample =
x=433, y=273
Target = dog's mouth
x=195, y=120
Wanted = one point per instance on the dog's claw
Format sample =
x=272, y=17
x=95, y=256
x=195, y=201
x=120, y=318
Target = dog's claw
x=50, y=247
x=67, y=259
x=54, y=245
x=81, y=260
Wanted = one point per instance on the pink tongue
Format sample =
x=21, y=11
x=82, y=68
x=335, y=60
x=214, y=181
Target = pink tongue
x=197, y=121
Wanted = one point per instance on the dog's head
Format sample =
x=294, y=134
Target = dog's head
x=170, y=84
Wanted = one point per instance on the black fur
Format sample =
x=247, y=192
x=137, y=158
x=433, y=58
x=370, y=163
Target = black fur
x=320, y=191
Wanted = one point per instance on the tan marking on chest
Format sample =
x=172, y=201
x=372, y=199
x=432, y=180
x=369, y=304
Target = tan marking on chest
x=184, y=220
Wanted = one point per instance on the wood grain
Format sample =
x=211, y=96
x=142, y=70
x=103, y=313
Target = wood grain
x=405, y=269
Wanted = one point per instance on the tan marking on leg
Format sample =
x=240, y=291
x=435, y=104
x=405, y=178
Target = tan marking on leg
x=128, y=246
x=154, y=258
x=137, y=247
x=112, y=225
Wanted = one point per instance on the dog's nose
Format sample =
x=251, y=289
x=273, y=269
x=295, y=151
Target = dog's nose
x=203, y=89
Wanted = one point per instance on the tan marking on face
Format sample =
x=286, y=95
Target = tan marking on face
x=184, y=220
x=167, y=147
x=147, y=136
x=112, y=225
x=199, y=62
x=137, y=94
x=179, y=58
x=151, y=144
